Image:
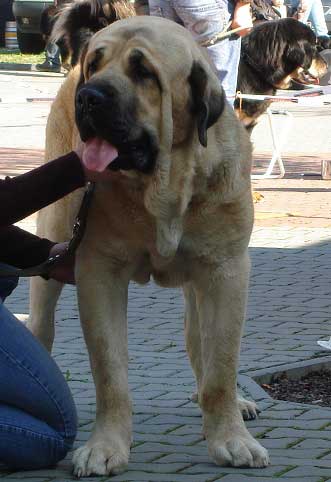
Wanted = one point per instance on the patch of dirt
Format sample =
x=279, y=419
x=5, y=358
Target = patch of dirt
x=314, y=388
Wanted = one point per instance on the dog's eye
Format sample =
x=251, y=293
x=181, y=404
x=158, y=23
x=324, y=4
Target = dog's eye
x=92, y=67
x=142, y=71
x=94, y=63
x=138, y=69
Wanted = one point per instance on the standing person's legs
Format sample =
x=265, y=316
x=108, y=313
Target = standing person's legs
x=163, y=8
x=52, y=62
x=37, y=414
x=205, y=19
x=317, y=19
x=226, y=57
x=53, y=54
x=315, y=14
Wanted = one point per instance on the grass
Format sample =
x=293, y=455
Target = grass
x=15, y=57
x=282, y=472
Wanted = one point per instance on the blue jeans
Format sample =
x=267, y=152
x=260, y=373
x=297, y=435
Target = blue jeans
x=204, y=19
x=315, y=15
x=38, y=421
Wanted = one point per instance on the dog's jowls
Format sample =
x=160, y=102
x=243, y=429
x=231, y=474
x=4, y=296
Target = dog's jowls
x=273, y=55
x=178, y=209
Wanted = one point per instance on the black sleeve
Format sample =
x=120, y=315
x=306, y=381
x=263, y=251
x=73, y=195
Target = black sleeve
x=25, y=194
x=22, y=249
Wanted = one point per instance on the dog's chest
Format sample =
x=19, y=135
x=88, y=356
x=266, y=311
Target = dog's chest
x=124, y=230
x=120, y=227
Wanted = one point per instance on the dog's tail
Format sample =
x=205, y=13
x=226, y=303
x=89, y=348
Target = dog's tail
x=77, y=21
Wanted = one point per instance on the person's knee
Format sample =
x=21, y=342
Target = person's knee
x=30, y=451
x=28, y=442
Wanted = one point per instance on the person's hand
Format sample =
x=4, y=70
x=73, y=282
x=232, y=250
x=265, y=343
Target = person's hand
x=242, y=17
x=301, y=11
x=64, y=271
x=92, y=176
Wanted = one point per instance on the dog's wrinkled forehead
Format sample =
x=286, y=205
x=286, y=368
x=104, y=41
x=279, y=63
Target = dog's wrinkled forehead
x=166, y=40
x=158, y=65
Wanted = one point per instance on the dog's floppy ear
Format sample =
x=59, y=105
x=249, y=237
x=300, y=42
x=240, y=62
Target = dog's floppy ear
x=208, y=102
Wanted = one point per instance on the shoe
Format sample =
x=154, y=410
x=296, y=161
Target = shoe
x=48, y=66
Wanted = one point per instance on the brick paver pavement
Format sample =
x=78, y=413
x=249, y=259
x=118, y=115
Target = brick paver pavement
x=289, y=310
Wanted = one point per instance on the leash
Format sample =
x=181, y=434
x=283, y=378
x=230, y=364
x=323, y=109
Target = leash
x=222, y=35
x=78, y=230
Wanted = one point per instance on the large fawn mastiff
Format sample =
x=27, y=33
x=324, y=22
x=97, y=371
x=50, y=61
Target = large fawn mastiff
x=178, y=208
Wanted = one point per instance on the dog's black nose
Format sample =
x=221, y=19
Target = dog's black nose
x=90, y=99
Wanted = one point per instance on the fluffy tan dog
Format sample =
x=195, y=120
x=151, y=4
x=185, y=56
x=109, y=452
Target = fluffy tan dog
x=178, y=209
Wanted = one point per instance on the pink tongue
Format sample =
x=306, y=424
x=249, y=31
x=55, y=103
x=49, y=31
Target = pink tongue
x=98, y=154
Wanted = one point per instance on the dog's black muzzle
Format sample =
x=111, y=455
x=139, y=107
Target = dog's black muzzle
x=105, y=112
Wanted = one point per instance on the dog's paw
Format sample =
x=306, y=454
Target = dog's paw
x=257, y=197
x=99, y=458
x=238, y=451
x=249, y=410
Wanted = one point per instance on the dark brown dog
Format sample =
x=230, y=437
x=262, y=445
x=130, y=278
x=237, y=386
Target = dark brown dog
x=273, y=55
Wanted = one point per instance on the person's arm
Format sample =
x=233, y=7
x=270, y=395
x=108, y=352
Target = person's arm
x=27, y=193
x=301, y=13
x=30, y=192
x=242, y=17
x=22, y=249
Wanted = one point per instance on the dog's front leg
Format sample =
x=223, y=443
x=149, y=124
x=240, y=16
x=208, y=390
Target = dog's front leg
x=43, y=299
x=102, y=297
x=221, y=303
x=248, y=409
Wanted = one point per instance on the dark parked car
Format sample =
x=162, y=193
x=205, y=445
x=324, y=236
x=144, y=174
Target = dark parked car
x=28, y=15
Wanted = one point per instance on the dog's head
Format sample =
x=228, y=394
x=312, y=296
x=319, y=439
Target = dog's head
x=284, y=50
x=138, y=98
x=77, y=21
x=146, y=97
